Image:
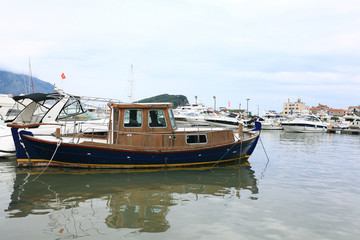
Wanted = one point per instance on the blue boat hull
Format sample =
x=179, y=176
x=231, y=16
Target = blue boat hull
x=37, y=152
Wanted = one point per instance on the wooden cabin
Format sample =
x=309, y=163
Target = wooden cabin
x=153, y=126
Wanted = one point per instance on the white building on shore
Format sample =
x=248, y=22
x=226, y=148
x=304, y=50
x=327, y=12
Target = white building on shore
x=290, y=108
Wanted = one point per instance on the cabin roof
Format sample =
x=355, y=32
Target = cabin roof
x=37, y=97
x=142, y=105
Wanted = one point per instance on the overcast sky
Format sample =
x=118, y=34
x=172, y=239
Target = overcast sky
x=267, y=51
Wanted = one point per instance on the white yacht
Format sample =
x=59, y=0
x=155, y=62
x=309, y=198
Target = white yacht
x=48, y=113
x=6, y=103
x=7, y=147
x=224, y=119
x=271, y=124
x=355, y=124
x=8, y=108
x=271, y=121
x=348, y=121
x=193, y=115
x=305, y=123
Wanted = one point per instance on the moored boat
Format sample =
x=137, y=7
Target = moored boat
x=224, y=119
x=44, y=113
x=193, y=115
x=355, y=124
x=271, y=124
x=139, y=136
x=271, y=121
x=305, y=123
x=7, y=147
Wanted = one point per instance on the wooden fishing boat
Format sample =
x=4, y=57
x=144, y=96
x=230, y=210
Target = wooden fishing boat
x=139, y=136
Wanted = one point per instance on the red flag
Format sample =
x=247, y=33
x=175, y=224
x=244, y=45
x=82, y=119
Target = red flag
x=63, y=76
x=229, y=103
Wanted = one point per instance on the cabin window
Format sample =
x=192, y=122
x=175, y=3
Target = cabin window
x=172, y=119
x=13, y=112
x=132, y=118
x=157, y=118
x=196, y=138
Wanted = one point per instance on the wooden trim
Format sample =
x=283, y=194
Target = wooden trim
x=85, y=135
x=142, y=105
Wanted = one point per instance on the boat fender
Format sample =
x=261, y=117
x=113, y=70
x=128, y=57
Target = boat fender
x=240, y=130
x=57, y=133
x=24, y=132
x=257, y=126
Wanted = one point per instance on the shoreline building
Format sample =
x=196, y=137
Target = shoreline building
x=290, y=108
x=324, y=110
x=337, y=112
x=320, y=110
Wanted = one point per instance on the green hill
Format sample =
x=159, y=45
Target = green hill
x=176, y=100
x=16, y=84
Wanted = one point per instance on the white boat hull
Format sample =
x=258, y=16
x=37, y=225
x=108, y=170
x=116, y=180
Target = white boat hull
x=271, y=127
x=271, y=124
x=7, y=146
x=304, y=128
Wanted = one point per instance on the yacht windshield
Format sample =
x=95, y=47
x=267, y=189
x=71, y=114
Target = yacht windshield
x=312, y=118
x=74, y=111
x=41, y=109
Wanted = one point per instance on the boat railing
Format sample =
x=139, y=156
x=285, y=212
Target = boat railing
x=93, y=132
x=161, y=139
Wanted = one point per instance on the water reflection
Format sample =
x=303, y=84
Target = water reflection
x=120, y=199
x=302, y=138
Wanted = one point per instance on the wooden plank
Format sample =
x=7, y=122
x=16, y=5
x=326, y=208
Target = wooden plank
x=172, y=141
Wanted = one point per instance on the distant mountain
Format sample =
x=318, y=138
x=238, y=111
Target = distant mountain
x=176, y=100
x=17, y=83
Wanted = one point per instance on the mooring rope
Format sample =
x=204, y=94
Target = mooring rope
x=227, y=151
x=264, y=149
x=57, y=146
x=267, y=157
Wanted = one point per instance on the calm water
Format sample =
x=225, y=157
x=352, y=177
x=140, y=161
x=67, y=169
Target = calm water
x=309, y=189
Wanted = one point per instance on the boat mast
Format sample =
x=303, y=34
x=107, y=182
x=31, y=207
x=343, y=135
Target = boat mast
x=30, y=79
x=131, y=79
x=25, y=86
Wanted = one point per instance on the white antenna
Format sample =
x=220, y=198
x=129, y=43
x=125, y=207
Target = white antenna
x=131, y=79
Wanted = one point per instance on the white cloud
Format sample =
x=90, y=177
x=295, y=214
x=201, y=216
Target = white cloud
x=233, y=49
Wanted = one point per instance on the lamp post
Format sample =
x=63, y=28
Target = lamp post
x=214, y=103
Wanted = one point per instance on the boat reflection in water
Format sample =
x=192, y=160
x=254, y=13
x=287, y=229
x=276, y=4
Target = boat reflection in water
x=134, y=199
